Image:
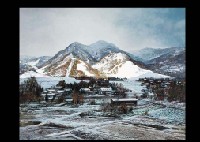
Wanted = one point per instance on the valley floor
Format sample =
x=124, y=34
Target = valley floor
x=63, y=122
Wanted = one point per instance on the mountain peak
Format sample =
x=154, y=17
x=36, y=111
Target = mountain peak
x=102, y=41
x=75, y=44
x=101, y=44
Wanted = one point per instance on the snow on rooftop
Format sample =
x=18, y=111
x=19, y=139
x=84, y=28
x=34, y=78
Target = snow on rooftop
x=84, y=89
x=128, y=99
x=51, y=89
x=68, y=89
x=51, y=94
x=106, y=89
x=69, y=99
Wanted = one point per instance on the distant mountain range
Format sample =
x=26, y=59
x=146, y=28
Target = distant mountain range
x=101, y=59
x=172, y=64
x=147, y=54
x=168, y=61
x=30, y=63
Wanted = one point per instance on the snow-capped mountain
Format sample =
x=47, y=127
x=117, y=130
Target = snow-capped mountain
x=172, y=64
x=102, y=48
x=87, y=53
x=147, y=54
x=69, y=65
x=99, y=59
x=77, y=57
x=112, y=65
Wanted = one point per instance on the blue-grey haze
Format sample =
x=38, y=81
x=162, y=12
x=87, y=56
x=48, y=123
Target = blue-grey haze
x=45, y=31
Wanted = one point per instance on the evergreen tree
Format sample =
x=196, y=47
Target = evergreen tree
x=30, y=90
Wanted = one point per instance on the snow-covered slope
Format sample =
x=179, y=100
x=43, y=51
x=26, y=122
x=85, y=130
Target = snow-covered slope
x=112, y=65
x=32, y=74
x=120, y=65
x=68, y=66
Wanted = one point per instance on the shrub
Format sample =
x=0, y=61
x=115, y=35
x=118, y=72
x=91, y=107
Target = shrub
x=30, y=91
x=77, y=98
x=130, y=109
x=82, y=114
x=62, y=83
x=61, y=99
x=146, y=112
x=123, y=108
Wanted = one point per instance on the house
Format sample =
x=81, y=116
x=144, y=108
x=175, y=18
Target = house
x=116, y=93
x=163, y=85
x=102, y=82
x=50, y=96
x=84, y=90
x=69, y=101
x=105, y=91
x=68, y=91
x=167, y=83
x=58, y=87
x=60, y=92
x=127, y=101
x=44, y=94
x=50, y=90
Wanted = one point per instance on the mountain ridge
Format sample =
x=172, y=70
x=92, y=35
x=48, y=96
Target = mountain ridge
x=78, y=59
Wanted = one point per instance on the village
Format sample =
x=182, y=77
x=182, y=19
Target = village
x=70, y=110
x=156, y=89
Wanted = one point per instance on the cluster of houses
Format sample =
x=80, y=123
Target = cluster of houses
x=153, y=84
x=55, y=92
x=100, y=89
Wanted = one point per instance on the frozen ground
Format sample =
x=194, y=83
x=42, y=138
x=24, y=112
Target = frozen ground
x=53, y=122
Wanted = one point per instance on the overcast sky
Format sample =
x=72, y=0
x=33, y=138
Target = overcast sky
x=45, y=31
